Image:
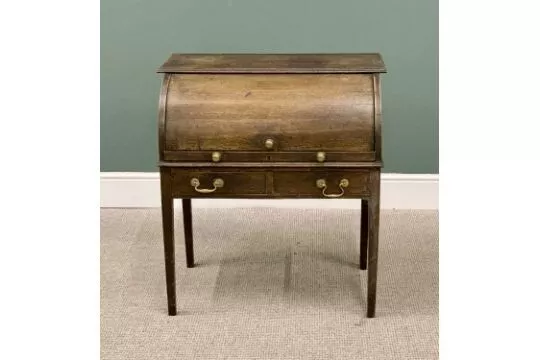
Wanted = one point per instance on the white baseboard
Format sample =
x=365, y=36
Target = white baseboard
x=398, y=191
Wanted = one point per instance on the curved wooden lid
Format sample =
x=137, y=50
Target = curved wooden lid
x=273, y=63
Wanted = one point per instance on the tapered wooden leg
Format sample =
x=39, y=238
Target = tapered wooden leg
x=188, y=232
x=364, y=235
x=373, y=247
x=167, y=212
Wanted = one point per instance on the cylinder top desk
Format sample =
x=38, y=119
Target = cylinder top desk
x=270, y=126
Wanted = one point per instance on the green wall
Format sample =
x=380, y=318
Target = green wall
x=138, y=35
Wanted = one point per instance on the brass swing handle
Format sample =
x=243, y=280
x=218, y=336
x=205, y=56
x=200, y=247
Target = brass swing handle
x=321, y=184
x=218, y=183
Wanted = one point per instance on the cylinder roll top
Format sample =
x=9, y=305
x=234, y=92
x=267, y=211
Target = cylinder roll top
x=256, y=112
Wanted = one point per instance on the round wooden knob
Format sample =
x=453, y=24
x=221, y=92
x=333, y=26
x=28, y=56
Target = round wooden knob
x=321, y=156
x=269, y=143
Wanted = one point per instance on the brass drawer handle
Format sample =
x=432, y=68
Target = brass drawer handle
x=218, y=183
x=321, y=184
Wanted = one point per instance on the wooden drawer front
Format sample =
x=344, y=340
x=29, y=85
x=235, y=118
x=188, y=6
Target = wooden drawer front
x=242, y=112
x=304, y=183
x=248, y=183
x=259, y=156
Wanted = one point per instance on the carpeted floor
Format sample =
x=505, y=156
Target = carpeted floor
x=269, y=284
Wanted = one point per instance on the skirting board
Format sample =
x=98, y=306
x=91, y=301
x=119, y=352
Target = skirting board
x=398, y=191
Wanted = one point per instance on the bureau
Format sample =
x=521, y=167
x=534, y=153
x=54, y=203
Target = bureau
x=270, y=126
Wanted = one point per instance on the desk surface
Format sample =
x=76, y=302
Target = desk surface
x=273, y=63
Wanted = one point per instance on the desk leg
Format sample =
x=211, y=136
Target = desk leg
x=167, y=212
x=188, y=232
x=373, y=247
x=364, y=235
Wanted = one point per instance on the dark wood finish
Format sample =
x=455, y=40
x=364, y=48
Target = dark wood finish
x=280, y=165
x=266, y=156
x=279, y=123
x=161, y=114
x=297, y=112
x=290, y=183
x=373, y=246
x=273, y=63
x=364, y=223
x=246, y=183
x=378, y=115
x=188, y=232
x=167, y=211
x=303, y=183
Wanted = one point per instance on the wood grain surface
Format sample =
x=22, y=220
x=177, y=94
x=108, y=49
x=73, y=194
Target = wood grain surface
x=273, y=63
x=297, y=112
x=271, y=126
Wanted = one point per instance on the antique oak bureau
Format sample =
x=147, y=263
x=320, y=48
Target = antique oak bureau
x=271, y=126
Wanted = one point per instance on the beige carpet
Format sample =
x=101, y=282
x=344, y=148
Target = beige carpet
x=269, y=284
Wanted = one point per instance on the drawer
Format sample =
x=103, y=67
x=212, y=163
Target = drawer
x=267, y=157
x=321, y=184
x=274, y=115
x=217, y=183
